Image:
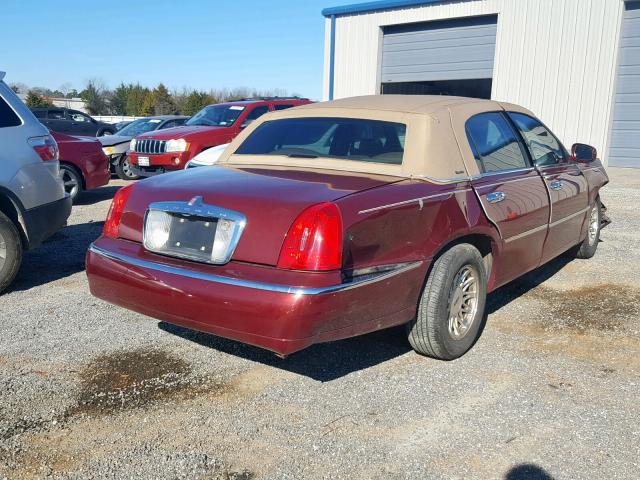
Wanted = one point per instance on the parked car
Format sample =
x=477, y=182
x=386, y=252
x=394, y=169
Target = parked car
x=72, y=122
x=83, y=164
x=116, y=146
x=120, y=125
x=336, y=219
x=33, y=204
x=208, y=157
x=157, y=152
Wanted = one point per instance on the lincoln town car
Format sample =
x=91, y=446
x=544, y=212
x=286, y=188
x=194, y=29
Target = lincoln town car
x=335, y=219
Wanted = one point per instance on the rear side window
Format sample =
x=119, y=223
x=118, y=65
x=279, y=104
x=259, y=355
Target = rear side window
x=282, y=107
x=55, y=115
x=347, y=138
x=40, y=113
x=494, y=143
x=257, y=112
x=8, y=117
x=545, y=148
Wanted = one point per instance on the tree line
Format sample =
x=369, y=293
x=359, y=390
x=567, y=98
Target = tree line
x=137, y=100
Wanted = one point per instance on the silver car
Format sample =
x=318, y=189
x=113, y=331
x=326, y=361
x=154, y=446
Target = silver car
x=33, y=203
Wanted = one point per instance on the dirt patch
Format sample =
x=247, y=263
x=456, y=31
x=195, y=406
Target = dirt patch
x=133, y=379
x=604, y=307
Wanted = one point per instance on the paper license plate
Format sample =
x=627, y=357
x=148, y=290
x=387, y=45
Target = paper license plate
x=143, y=161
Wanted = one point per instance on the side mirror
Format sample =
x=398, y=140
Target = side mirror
x=583, y=153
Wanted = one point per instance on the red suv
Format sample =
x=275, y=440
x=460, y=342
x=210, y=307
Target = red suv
x=165, y=150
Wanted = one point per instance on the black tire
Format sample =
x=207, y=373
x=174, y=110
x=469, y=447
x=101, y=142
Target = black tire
x=589, y=245
x=105, y=131
x=10, y=251
x=123, y=170
x=430, y=332
x=73, y=183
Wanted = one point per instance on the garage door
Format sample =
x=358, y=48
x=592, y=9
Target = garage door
x=451, y=52
x=625, y=135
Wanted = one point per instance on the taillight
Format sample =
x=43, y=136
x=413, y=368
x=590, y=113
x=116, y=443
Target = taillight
x=314, y=241
x=45, y=146
x=112, y=223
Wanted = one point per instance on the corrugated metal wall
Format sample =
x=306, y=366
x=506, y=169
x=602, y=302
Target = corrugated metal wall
x=555, y=57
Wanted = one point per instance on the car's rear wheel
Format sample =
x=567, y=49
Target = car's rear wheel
x=123, y=169
x=451, y=310
x=72, y=180
x=10, y=252
x=589, y=245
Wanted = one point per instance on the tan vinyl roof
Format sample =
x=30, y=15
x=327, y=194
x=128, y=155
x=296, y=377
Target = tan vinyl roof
x=436, y=145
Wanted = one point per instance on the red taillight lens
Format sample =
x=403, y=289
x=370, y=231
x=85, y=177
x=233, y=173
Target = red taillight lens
x=45, y=146
x=112, y=223
x=314, y=241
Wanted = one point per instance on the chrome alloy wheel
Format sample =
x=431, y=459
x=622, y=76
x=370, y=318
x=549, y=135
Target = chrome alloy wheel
x=463, y=301
x=594, y=225
x=126, y=168
x=3, y=251
x=71, y=183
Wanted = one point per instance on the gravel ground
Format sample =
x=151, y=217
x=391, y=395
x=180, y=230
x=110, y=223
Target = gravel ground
x=90, y=390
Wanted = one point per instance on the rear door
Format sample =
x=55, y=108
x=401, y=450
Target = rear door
x=566, y=185
x=81, y=124
x=511, y=192
x=57, y=120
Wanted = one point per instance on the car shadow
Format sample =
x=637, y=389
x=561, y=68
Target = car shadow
x=520, y=286
x=329, y=361
x=97, y=195
x=322, y=362
x=60, y=256
x=527, y=471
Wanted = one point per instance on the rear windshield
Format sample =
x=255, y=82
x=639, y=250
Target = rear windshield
x=348, y=138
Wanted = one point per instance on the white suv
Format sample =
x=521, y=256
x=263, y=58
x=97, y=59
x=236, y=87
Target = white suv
x=33, y=203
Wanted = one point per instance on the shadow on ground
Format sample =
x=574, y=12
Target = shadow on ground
x=527, y=471
x=329, y=361
x=98, y=195
x=59, y=257
x=323, y=362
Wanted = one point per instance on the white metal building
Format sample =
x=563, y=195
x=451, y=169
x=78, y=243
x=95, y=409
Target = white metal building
x=575, y=63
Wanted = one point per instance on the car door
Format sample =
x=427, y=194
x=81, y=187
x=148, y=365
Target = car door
x=512, y=194
x=81, y=124
x=57, y=120
x=566, y=185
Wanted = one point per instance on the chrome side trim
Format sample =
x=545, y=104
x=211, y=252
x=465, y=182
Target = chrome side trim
x=526, y=234
x=419, y=199
x=569, y=217
x=509, y=180
x=271, y=287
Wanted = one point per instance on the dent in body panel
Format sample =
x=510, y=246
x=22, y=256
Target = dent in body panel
x=407, y=221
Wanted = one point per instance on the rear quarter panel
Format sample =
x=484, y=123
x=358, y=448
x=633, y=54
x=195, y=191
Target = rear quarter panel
x=409, y=221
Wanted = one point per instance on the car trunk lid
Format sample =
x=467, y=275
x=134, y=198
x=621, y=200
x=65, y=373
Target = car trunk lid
x=270, y=197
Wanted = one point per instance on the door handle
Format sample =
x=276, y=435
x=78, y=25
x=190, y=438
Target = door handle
x=495, y=197
x=556, y=185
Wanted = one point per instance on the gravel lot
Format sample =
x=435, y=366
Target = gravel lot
x=90, y=390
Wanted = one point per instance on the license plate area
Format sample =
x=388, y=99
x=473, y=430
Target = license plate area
x=192, y=230
x=144, y=161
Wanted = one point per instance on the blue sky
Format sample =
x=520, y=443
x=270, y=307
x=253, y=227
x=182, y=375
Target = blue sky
x=196, y=43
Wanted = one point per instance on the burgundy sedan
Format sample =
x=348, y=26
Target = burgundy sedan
x=83, y=164
x=336, y=219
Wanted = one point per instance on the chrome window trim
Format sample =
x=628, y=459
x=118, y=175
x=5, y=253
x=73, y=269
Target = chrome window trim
x=419, y=200
x=508, y=180
x=348, y=284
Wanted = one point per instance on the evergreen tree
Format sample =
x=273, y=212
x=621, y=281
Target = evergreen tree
x=119, y=99
x=196, y=101
x=35, y=100
x=135, y=100
x=94, y=98
x=163, y=103
x=148, y=104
